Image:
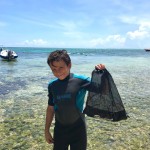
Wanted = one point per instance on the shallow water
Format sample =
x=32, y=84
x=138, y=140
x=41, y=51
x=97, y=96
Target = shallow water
x=23, y=99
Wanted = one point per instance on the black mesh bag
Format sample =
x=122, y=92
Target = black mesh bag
x=104, y=100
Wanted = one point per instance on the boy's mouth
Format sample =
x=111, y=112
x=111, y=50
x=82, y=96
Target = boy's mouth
x=61, y=75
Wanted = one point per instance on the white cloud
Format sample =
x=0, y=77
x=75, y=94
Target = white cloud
x=137, y=34
x=128, y=19
x=142, y=32
x=36, y=22
x=71, y=29
x=145, y=26
x=111, y=40
x=98, y=41
x=73, y=34
x=116, y=38
x=35, y=42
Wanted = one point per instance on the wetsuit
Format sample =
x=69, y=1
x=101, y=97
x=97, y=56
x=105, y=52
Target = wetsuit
x=67, y=97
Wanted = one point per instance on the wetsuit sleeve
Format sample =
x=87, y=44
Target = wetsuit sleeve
x=50, y=97
x=85, y=82
x=91, y=86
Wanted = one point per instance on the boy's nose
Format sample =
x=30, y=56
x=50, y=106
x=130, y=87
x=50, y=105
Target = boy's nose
x=58, y=72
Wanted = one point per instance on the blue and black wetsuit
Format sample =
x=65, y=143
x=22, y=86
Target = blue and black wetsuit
x=67, y=97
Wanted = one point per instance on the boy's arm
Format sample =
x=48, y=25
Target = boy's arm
x=49, y=118
x=92, y=87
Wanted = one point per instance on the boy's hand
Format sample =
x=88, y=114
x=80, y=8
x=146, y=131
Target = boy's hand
x=49, y=138
x=100, y=67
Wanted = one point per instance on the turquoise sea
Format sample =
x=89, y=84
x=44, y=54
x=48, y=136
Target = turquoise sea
x=23, y=98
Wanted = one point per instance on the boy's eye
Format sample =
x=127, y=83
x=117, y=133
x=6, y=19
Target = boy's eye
x=54, y=70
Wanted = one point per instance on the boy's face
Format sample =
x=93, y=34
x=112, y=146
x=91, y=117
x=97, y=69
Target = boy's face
x=60, y=69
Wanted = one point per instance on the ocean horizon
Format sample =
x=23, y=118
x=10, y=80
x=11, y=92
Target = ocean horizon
x=23, y=97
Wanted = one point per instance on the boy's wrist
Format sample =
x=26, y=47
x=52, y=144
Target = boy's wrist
x=47, y=130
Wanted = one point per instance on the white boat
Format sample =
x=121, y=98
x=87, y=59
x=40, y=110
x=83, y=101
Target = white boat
x=7, y=54
x=147, y=49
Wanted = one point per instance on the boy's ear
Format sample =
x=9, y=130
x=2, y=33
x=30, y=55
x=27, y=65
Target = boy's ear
x=70, y=65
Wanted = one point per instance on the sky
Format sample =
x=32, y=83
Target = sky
x=75, y=23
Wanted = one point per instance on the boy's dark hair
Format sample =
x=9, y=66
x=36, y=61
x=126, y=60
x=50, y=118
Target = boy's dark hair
x=58, y=55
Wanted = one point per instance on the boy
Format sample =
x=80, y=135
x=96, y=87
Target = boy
x=66, y=98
